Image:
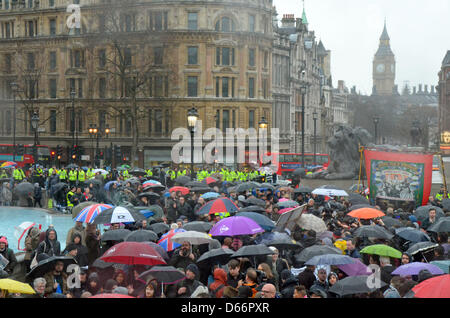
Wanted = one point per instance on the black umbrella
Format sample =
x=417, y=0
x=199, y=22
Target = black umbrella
x=200, y=189
x=24, y=189
x=303, y=189
x=374, y=231
x=422, y=212
x=216, y=256
x=161, y=251
x=198, y=226
x=137, y=172
x=182, y=180
x=247, y=186
x=149, y=195
x=59, y=186
x=390, y=221
x=115, y=235
x=300, y=172
x=356, y=285
x=154, y=188
x=252, y=250
x=412, y=234
x=355, y=198
x=72, y=166
x=48, y=265
x=157, y=210
x=252, y=208
x=315, y=250
x=141, y=236
x=100, y=264
x=163, y=274
x=194, y=184
x=421, y=247
x=94, y=181
x=446, y=204
x=440, y=226
x=285, y=244
x=159, y=228
x=255, y=201
x=267, y=185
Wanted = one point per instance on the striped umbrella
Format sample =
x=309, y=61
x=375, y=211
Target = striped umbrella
x=8, y=164
x=89, y=213
x=166, y=240
x=219, y=205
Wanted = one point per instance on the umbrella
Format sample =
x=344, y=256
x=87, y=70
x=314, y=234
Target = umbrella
x=267, y=186
x=210, y=195
x=157, y=210
x=262, y=220
x=366, y=213
x=101, y=171
x=133, y=253
x=210, y=181
x=94, y=182
x=166, y=240
x=252, y=208
x=163, y=274
x=198, y=184
x=182, y=180
x=109, y=184
x=356, y=268
x=287, y=204
x=412, y=234
x=382, y=250
x=77, y=209
x=159, y=249
x=301, y=172
x=72, y=166
x=247, y=186
x=198, y=226
x=48, y=265
x=315, y=250
x=141, y=236
x=330, y=192
x=252, y=250
x=235, y=225
x=285, y=210
x=193, y=237
x=421, y=212
x=24, y=188
x=355, y=198
x=390, y=221
x=125, y=166
x=374, y=231
x=201, y=189
x=115, y=235
x=144, y=211
x=440, y=226
x=311, y=222
x=138, y=171
x=14, y=286
x=219, y=205
x=444, y=265
x=330, y=259
x=59, y=186
x=153, y=187
x=118, y=215
x=216, y=256
x=255, y=201
x=283, y=244
x=421, y=247
x=356, y=285
x=111, y=295
x=149, y=195
x=89, y=213
x=159, y=228
x=8, y=164
x=436, y=287
x=415, y=267
x=303, y=189
x=183, y=190
x=445, y=204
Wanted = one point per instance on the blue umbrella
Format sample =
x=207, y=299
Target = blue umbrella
x=109, y=184
x=444, y=265
x=412, y=235
x=210, y=195
x=85, y=168
x=330, y=259
x=262, y=220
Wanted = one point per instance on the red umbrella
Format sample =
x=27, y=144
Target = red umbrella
x=132, y=253
x=183, y=190
x=220, y=205
x=436, y=287
x=111, y=296
x=210, y=180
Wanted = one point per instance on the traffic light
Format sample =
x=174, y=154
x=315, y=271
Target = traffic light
x=52, y=154
x=59, y=151
x=74, y=152
x=117, y=152
x=20, y=150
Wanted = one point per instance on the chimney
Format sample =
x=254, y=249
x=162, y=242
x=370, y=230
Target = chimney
x=414, y=90
x=420, y=88
x=426, y=89
x=341, y=86
x=288, y=21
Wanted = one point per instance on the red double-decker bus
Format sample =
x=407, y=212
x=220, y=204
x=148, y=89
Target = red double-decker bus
x=26, y=160
x=288, y=162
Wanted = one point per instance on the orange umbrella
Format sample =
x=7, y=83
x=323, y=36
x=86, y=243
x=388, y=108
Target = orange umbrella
x=366, y=213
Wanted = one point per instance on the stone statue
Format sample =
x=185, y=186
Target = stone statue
x=344, y=153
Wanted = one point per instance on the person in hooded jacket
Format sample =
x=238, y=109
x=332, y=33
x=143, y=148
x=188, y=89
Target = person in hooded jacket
x=6, y=194
x=82, y=251
x=78, y=228
x=31, y=244
x=288, y=283
x=93, y=284
x=92, y=242
x=220, y=282
x=7, y=253
x=186, y=287
x=50, y=245
x=37, y=195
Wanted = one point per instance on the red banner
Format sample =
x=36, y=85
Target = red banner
x=399, y=175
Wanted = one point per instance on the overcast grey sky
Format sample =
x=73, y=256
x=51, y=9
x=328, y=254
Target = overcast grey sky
x=419, y=31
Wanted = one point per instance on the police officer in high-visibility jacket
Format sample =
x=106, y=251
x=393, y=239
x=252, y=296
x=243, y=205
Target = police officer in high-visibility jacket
x=81, y=177
x=126, y=174
x=70, y=196
x=62, y=175
x=72, y=177
x=18, y=175
x=90, y=173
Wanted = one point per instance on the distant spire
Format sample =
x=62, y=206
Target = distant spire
x=384, y=35
x=304, y=19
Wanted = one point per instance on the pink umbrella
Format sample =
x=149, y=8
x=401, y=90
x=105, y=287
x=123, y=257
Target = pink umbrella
x=285, y=210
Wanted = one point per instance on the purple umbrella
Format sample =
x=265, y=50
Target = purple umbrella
x=415, y=267
x=235, y=225
x=355, y=269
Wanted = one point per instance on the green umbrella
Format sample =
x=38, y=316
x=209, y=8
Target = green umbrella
x=382, y=250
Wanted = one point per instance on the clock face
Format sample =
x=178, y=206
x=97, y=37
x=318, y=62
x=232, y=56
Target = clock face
x=380, y=68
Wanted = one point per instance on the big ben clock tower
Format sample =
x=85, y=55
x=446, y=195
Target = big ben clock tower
x=384, y=67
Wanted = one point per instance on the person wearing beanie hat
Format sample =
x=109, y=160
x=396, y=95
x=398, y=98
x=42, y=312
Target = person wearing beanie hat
x=120, y=290
x=187, y=287
x=8, y=254
x=288, y=283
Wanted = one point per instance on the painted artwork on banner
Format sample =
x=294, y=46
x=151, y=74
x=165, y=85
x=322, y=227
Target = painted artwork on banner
x=399, y=176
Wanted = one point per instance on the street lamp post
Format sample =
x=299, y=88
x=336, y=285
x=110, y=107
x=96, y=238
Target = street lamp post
x=35, y=125
x=192, y=118
x=98, y=133
x=72, y=98
x=315, y=120
x=14, y=88
x=376, y=120
x=303, y=91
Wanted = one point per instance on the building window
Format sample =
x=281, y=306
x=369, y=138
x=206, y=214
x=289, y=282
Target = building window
x=158, y=121
x=77, y=58
x=101, y=87
x=225, y=56
x=192, y=86
x=251, y=57
x=225, y=24
x=51, y=3
x=217, y=86
x=251, y=23
x=31, y=28
x=192, y=55
x=225, y=120
x=8, y=62
x=158, y=20
x=158, y=55
x=234, y=119
x=32, y=89
x=53, y=121
x=167, y=122
x=52, y=62
x=30, y=4
x=266, y=59
x=102, y=58
x=52, y=86
x=225, y=87
x=150, y=119
x=158, y=86
x=265, y=88
x=80, y=87
x=30, y=61
x=192, y=20
x=127, y=57
x=217, y=119
x=8, y=30
x=52, y=26
x=251, y=87
x=251, y=119
x=129, y=22
x=233, y=83
x=6, y=4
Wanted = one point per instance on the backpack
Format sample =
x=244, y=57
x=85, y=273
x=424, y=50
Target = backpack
x=213, y=293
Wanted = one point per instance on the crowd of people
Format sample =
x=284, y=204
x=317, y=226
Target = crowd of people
x=281, y=274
